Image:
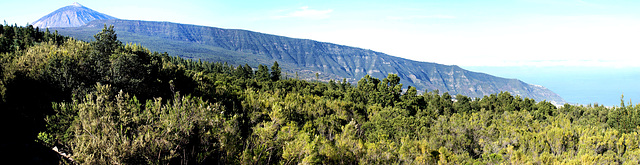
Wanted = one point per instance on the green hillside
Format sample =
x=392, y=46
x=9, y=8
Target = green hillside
x=104, y=102
x=306, y=57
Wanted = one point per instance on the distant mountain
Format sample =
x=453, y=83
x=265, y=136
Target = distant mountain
x=71, y=16
x=307, y=57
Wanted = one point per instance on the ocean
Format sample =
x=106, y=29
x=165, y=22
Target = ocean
x=577, y=85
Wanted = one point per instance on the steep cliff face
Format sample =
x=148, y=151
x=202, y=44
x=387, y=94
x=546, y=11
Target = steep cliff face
x=305, y=56
x=70, y=16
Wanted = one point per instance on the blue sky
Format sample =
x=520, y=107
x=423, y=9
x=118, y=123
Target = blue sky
x=533, y=40
x=466, y=33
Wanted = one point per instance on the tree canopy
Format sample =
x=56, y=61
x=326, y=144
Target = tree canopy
x=105, y=102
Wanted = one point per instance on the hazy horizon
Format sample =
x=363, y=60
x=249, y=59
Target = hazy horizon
x=577, y=85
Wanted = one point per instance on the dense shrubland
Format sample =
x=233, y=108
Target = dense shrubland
x=105, y=102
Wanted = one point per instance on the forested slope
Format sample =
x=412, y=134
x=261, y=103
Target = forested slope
x=307, y=57
x=105, y=102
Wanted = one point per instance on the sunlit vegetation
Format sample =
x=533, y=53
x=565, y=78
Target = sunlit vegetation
x=106, y=102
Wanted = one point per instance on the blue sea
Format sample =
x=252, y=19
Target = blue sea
x=577, y=85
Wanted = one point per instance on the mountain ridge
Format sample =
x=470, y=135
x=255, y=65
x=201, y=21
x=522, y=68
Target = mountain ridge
x=306, y=57
x=332, y=61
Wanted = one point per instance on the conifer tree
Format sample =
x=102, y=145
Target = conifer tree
x=263, y=73
x=275, y=71
x=106, y=41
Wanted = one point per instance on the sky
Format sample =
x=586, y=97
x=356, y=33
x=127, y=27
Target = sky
x=474, y=34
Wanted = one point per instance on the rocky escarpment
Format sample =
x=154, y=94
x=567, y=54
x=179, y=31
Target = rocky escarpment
x=331, y=61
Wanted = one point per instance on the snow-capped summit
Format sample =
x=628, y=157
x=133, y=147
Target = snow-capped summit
x=76, y=4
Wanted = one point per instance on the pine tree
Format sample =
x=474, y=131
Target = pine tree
x=106, y=41
x=263, y=73
x=275, y=71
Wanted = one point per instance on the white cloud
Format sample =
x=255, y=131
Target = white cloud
x=563, y=2
x=411, y=17
x=582, y=41
x=306, y=13
x=524, y=46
